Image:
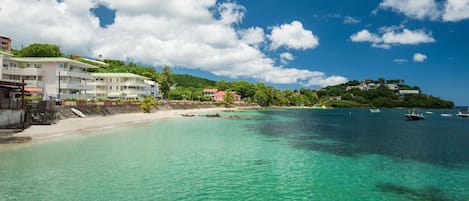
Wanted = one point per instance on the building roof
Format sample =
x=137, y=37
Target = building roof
x=211, y=90
x=51, y=60
x=4, y=53
x=125, y=75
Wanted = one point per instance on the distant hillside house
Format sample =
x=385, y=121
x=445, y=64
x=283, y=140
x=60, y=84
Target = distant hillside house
x=409, y=92
x=42, y=76
x=334, y=98
x=121, y=86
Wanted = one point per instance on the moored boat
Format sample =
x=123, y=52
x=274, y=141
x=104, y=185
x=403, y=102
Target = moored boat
x=461, y=114
x=374, y=110
x=412, y=116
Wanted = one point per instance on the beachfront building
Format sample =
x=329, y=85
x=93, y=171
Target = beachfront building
x=210, y=93
x=5, y=43
x=121, y=86
x=52, y=77
x=219, y=96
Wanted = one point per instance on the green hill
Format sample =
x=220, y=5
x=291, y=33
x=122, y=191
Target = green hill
x=184, y=80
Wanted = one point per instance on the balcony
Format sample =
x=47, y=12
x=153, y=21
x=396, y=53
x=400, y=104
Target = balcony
x=135, y=83
x=34, y=83
x=23, y=71
x=75, y=85
x=77, y=74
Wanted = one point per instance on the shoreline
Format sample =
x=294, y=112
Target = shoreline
x=76, y=126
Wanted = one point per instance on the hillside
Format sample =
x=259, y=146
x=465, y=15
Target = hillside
x=184, y=80
x=380, y=93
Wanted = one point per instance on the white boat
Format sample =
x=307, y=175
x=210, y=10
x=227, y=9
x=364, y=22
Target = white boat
x=78, y=112
x=446, y=115
x=375, y=110
x=429, y=112
x=412, y=116
x=461, y=114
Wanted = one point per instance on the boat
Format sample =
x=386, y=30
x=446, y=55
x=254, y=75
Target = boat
x=78, y=112
x=446, y=115
x=412, y=116
x=461, y=114
x=375, y=110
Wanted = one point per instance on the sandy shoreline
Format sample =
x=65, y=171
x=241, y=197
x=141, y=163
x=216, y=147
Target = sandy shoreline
x=74, y=126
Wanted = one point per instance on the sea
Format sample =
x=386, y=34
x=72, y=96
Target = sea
x=277, y=154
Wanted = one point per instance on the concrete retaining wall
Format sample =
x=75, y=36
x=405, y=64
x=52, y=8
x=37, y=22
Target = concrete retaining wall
x=10, y=118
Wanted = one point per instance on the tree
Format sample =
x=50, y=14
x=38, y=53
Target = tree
x=228, y=99
x=41, y=50
x=147, y=104
x=166, y=81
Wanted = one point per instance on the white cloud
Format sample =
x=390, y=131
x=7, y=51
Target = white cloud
x=187, y=34
x=418, y=9
x=418, y=57
x=365, y=36
x=253, y=35
x=456, y=10
x=395, y=35
x=293, y=36
x=286, y=57
x=407, y=37
x=400, y=61
x=447, y=11
x=231, y=13
x=351, y=20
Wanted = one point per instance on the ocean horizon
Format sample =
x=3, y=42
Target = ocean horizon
x=268, y=154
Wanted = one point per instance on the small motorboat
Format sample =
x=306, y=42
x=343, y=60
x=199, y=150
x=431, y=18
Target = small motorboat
x=375, y=110
x=446, y=115
x=460, y=114
x=413, y=116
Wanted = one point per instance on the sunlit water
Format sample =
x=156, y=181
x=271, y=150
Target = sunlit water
x=291, y=154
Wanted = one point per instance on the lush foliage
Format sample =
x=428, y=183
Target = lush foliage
x=147, y=104
x=184, y=80
x=228, y=99
x=165, y=82
x=382, y=96
x=40, y=50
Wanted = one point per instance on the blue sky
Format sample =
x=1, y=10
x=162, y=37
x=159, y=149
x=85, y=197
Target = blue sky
x=321, y=42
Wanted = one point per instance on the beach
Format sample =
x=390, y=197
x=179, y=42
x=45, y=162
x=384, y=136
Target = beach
x=74, y=126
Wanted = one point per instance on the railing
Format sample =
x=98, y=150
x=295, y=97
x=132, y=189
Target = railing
x=82, y=75
x=22, y=71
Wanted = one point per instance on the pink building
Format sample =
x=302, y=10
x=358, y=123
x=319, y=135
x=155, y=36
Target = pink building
x=219, y=96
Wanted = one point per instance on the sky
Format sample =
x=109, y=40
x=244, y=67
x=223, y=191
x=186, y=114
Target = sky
x=287, y=44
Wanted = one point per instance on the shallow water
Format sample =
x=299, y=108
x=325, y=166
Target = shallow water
x=340, y=154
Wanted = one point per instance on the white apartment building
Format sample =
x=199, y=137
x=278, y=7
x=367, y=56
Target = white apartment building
x=53, y=77
x=121, y=86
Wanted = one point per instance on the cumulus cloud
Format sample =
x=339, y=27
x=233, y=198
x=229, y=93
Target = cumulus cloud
x=231, y=12
x=448, y=11
x=396, y=35
x=365, y=36
x=188, y=34
x=293, y=36
x=456, y=10
x=419, y=9
x=418, y=57
x=253, y=35
x=286, y=57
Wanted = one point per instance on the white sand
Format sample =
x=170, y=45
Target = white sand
x=73, y=126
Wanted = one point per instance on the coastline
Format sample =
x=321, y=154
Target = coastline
x=77, y=126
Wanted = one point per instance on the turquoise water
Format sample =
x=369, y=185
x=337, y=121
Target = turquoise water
x=342, y=154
